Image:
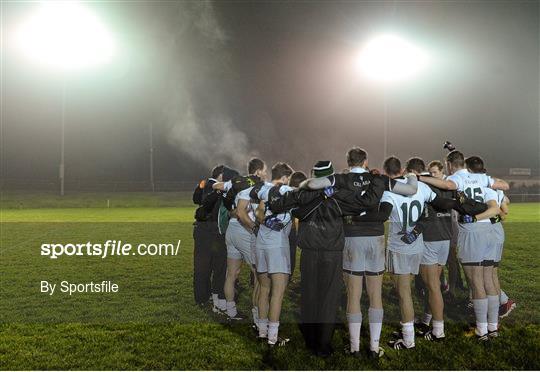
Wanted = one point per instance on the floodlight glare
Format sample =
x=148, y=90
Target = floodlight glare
x=390, y=58
x=65, y=35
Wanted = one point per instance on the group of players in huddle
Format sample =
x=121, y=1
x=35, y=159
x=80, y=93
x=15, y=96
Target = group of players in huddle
x=337, y=220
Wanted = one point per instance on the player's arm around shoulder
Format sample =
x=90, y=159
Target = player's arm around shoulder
x=446, y=184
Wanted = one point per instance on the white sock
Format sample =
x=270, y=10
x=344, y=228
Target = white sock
x=273, y=328
x=231, y=309
x=493, y=313
x=481, y=312
x=355, y=323
x=215, y=299
x=263, y=328
x=438, y=327
x=408, y=333
x=255, y=313
x=375, y=327
x=503, y=298
x=222, y=304
x=427, y=318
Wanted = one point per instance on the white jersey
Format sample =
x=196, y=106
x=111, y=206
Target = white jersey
x=267, y=238
x=489, y=195
x=472, y=184
x=263, y=195
x=406, y=210
x=251, y=207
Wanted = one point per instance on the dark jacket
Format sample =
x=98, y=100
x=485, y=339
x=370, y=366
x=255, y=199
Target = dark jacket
x=321, y=217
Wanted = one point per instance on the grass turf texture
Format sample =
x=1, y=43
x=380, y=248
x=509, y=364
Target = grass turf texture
x=153, y=323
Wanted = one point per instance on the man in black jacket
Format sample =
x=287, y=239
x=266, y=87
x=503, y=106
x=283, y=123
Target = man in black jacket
x=210, y=253
x=321, y=239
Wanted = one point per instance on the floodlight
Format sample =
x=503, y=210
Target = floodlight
x=390, y=58
x=65, y=35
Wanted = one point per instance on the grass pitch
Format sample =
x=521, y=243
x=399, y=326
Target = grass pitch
x=153, y=322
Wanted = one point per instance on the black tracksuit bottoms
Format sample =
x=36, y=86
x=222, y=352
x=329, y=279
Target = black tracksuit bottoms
x=209, y=261
x=321, y=286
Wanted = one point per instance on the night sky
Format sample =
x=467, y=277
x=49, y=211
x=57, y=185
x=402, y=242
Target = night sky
x=223, y=81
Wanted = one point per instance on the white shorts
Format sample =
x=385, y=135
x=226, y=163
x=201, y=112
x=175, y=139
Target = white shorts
x=475, y=243
x=435, y=253
x=364, y=255
x=240, y=243
x=273, y=260
x=400, y=263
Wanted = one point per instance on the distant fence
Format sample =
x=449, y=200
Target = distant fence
x=145, y=186
x=524, y=198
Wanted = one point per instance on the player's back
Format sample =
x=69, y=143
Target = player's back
x=406, y=211
x=472, y=184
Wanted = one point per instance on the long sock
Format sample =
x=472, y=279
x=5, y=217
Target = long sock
x=231, y=309
x=493, y=313
x=222, y=304
x=355, y=323
x=426, y=319
x=215, y=299
x=503, y=298
x=375, y=326
x=263, y=328
x=273, y=329
x=438, y=328
x=481, y=313
x=408, y=333
x=255, y=313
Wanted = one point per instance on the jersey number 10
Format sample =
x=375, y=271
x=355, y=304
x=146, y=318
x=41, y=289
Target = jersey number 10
x=407, y=212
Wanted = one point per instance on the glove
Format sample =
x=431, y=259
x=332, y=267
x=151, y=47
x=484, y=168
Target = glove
x=410, y=237
x=273, y=223
x=329, y=191
x=496, y=219
x=465, y=218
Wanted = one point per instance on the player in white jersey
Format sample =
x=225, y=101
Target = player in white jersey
x=474, y=238
x=403, y=259
x=476, y=165
x=240, y=239
x=272, y=254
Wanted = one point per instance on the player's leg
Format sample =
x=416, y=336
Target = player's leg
x=375, y=266
x=375, y=312
x=264, y=303
x=279, y=285
x=493, y=301
x=353, y=284
x=233, y=270
x=403, y=287
x=353, y=270
x=431, y=276
x=475, y=278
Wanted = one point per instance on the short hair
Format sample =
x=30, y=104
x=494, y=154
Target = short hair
x=217, y=171
x=456, y=158
x=416, y=164
x=436, y=163
x=297, y=178
x=356, y=156
x=281, y=169
x=475, y=164
x=392, y=165
x=254, y=165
